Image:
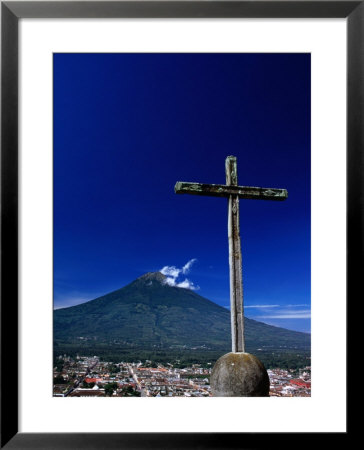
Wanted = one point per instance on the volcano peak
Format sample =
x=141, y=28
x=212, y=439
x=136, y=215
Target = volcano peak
x=153, y=276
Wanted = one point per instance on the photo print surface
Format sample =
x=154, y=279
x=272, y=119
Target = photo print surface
x=181, y=224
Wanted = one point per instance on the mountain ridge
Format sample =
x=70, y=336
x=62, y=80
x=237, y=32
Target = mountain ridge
x=148, y=313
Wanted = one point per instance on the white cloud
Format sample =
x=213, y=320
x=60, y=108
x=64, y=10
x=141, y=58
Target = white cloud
x=171, y=281
x=187, y=284
x=284, y=311
x=172, y=273
x=295, y=306
x=262, y=306
x=186, y=268
x=288, y=316
x=74, y=297
x=67, y=301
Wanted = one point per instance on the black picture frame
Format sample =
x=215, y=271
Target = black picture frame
x=11, y=12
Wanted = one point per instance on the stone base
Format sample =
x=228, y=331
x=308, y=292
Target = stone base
x=239, y=375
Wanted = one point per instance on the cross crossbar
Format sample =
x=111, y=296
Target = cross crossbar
x=222, y=190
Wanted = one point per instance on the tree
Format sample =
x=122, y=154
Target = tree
x=110, y=388
x=59, y=380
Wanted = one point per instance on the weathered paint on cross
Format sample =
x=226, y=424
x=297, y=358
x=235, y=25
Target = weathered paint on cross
x=235, y=261
x=222, y=190
x=233, y=192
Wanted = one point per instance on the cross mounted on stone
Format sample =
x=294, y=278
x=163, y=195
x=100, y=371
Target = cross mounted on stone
x=233, y=192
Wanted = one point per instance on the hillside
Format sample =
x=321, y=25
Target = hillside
x=150, y=315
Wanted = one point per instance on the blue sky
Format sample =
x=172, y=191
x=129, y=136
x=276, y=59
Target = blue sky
x=127, y=127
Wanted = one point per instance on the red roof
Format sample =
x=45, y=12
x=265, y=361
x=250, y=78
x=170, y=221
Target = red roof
x=90, y=380
x=306, y=384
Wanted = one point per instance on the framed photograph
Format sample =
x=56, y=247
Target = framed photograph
x=114, y=286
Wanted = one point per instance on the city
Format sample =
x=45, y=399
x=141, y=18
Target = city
x=89, y=377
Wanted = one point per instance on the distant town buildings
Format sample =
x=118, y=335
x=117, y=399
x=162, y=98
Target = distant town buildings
x=286, y=383
x=89, y=377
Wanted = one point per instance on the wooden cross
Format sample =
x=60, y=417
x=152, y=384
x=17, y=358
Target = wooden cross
x=233, y=192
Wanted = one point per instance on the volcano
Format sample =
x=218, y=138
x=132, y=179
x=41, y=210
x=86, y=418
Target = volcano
x=150, y=314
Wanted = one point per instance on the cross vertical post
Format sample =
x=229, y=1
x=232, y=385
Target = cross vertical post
x=233, y=193
x=235, y=260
